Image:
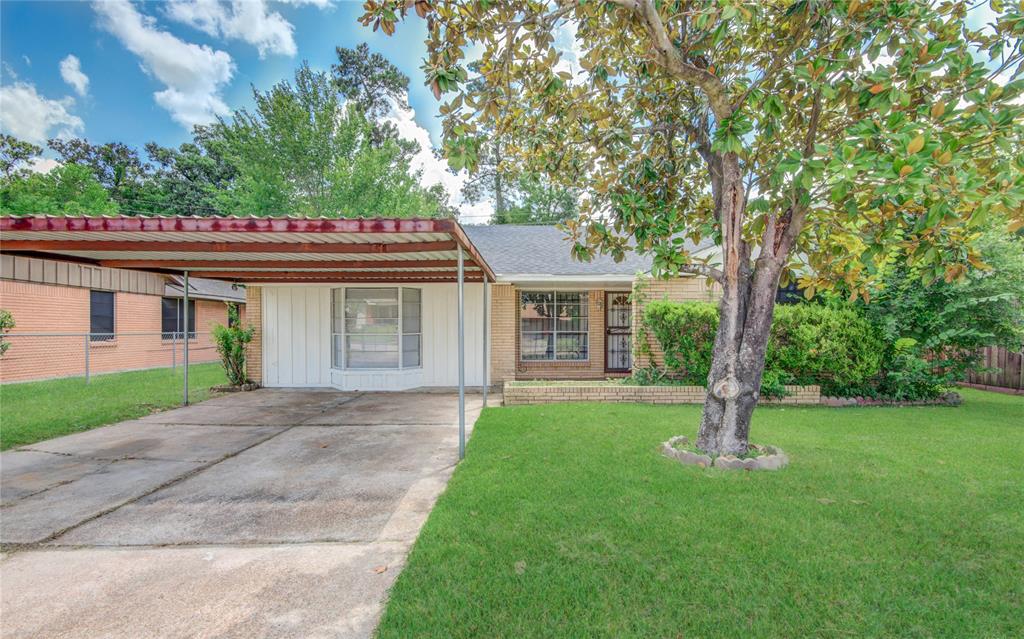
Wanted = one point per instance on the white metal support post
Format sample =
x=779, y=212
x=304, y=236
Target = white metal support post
x=462, y=358
x=185, y=355
x=484, y=369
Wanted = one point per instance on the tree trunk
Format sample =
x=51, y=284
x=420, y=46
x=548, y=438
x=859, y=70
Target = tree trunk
x=734, y=381
x=745, y=317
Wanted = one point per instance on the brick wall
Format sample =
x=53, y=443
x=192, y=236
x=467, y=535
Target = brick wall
x=646, y=349
x=592, y=368
x=518, y=394
x=505, y=350
x=505, y=359
x=254, y=316
x=503, y=337
x=46, y=308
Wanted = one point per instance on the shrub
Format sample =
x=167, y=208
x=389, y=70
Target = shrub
x=834, y=347
x=6, y=324
x=908, y=376
x=686, y=334
x=809, y=344
x=934, y=333
x=231, y=343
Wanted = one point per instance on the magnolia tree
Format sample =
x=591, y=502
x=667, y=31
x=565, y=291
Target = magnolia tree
x=813, y=140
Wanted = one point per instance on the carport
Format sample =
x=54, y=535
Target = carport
x=353, y=304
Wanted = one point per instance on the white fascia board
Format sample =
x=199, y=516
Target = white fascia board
x=543, y=279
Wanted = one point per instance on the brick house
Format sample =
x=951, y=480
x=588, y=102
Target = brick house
x=360, y=304
x=125, y=319
x=556, y=318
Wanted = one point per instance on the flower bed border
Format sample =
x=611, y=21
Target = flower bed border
x=951, y=398
x=772, y=458
x=229, y=388
x=558, y=392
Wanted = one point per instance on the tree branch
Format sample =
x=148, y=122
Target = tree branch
x=778, y=60
x=703, y=269
x=672, y=59
x=787, y=234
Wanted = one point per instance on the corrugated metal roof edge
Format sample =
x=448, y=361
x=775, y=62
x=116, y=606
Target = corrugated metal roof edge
x=450, y=226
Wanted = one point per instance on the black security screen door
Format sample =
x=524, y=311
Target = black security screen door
x=618, y=332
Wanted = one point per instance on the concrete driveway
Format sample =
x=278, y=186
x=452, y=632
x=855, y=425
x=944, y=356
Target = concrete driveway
x=276, y=513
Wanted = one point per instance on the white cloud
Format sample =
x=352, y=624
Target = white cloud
x=435, y=170
x=32, y=117
x=71, y=71
x=567, y=44
x=193, y=74
x=321, y=4
x=246, y=20
x=43, y=165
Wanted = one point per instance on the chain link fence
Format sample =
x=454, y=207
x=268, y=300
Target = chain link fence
x=42, y=356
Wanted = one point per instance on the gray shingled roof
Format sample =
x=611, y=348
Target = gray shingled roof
x=204, y=289
x=514, y=249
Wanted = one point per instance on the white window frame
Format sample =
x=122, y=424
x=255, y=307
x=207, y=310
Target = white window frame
x=554, y=329
x=335, y=336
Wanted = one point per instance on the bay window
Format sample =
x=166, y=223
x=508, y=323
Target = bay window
x=554, y=326
x=376, y=328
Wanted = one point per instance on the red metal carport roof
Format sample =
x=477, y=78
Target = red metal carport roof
x=256, y=250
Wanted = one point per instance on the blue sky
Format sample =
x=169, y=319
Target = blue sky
x=119, y=105
x=146, y=71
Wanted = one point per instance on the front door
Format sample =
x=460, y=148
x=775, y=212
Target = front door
x=618, y=313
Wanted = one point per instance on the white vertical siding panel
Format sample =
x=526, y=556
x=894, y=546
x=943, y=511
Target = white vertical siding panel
x=324, y=331
x=297, y=339
x=287, y=335
x=271, y=365
x=441, y=334
x=295, y=336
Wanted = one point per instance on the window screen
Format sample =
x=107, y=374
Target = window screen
x=171, y=320
x=101, y=316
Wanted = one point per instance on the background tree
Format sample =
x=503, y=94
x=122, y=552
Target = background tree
x=116, y=166
x=370, y=81
x=376, y=86
x=534, y=200
x=528, y=198
x=301, y=151
x=821, y=135
x=16, y=155
x=188, y=179
x=70, y=189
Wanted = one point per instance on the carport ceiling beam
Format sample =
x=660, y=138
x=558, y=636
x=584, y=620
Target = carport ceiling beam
x=341, y=279
x=342, y=274
x=257, y=263
x=228, y=247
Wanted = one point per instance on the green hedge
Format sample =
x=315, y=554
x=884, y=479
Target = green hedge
x=835, y=348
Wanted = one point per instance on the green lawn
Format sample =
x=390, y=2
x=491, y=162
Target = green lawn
x=34, y=411
x=565, y=521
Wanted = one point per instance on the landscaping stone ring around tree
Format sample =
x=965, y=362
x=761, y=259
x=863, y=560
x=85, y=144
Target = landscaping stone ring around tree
x=767, y=457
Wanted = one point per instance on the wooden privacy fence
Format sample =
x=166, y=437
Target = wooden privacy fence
x=1007, y=365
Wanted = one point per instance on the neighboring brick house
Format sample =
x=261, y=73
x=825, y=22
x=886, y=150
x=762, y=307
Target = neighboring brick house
x=553, y=317
x=134, y=318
